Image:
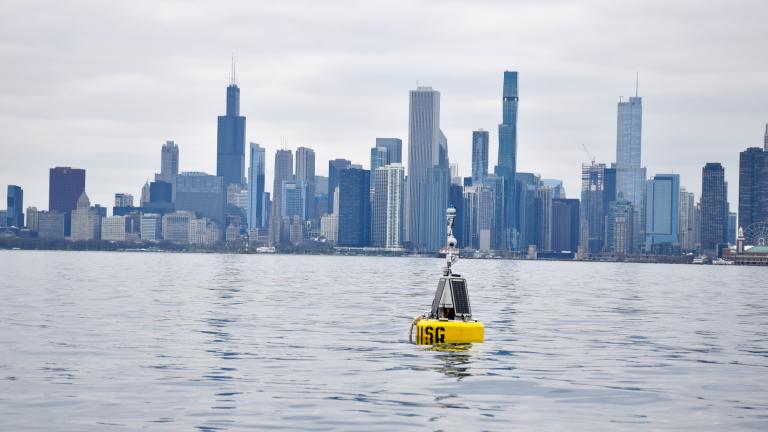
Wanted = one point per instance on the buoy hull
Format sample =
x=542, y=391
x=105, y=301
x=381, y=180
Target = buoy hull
x=433, y=332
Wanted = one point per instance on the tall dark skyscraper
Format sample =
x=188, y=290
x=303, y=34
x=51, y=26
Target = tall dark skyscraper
x=479, y=155
x=354, y=208
x=65, y=185
x=230, y=143
x=565, y=225
x=507, y=163
x=753, y=186
x=15, y=216
x=714, y=207
x=335, y=167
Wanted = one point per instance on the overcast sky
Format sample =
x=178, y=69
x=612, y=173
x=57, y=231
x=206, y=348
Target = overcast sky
x=101, y=85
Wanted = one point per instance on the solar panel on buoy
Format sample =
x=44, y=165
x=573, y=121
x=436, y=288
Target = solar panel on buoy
x=460, y=298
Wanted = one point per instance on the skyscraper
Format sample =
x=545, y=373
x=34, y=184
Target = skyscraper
x=230, y=143
x=507, y=163
x=479, y=155
x=354, y=208
x=388, y=206
x=753, y=186
x=123, y=200
x=618, y=227
x=732, y=228
x=544, y=218
x=169, y=161
x=394, y=148
x=592, y=216
x=378, y=159
x=65, y=185
x=86, y=221
x=202, y=194
x=662, y=202
x=334, y=168
x=305, y=171
x=565, y=225
x=686, y=220
x=283, y=172
x=486, y=215
x=428, y=171
x=527, y=185
x=293, y=199
x=256, y=186
x=15, y=200
x=630, y=175
x=714, y=210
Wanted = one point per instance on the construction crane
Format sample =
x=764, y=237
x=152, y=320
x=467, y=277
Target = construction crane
x=591, y=158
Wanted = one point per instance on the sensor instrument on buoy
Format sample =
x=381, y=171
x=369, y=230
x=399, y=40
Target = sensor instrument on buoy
x=450, y=319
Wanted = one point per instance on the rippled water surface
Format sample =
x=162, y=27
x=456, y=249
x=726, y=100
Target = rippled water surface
x=127, y=341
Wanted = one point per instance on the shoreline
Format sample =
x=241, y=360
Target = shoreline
x=17, y=244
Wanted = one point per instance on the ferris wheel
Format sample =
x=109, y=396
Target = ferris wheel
x=756, y=234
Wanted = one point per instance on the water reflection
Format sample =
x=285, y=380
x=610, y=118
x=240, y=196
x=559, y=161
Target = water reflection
x=456, y=360
x=221, y=325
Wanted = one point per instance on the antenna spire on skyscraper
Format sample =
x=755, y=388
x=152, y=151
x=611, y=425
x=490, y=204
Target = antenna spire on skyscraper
x=233, y=73
x=637, y=83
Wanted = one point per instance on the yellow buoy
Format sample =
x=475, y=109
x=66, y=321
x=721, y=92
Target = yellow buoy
x=450, y=319
x=432, y=331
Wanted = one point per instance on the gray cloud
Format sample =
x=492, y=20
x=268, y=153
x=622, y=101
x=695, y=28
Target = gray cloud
x=101, y=85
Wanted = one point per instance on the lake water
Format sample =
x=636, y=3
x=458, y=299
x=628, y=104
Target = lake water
x=128, y=341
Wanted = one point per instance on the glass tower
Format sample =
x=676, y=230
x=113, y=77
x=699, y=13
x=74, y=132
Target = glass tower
x=753, y=186
x=714, y=207
x=507, y=162
x=479, y=155
x=662, y=203
x=256, y=181
x=15, y=207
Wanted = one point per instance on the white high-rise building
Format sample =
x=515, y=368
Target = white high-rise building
x=151, y=227
x=388, y=206
x=113, y=228
x=176, y=226
x=203, y=232
x=428, y=171
x=686, y=220
x=329, y=227
x=86, y=222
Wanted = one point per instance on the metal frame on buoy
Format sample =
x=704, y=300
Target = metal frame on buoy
x=451, y=300
x=449, y=321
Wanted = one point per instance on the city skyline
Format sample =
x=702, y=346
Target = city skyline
x=107, y=115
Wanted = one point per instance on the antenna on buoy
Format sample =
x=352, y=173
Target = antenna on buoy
x=450, y=257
